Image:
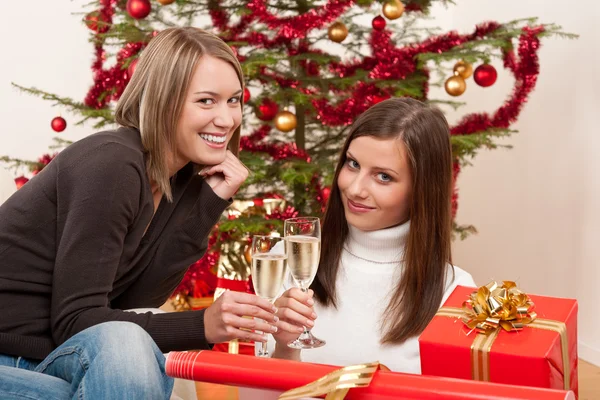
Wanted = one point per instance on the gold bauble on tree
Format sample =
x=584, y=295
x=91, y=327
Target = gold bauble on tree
x=393, y=9
x=285, y=121
x=464, y=69
x=337, y=32
x=166, y=2
x=455, y=85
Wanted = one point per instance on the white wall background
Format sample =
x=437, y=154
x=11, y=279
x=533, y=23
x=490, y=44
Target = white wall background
x=535, y=206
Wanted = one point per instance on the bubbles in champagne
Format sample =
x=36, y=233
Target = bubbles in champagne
x=303, y=257
x=268, y=272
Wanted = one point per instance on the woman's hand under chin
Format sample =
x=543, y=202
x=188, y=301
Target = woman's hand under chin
x=225, y=178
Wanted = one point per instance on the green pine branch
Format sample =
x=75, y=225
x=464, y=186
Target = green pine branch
x=465, y=147
x=104, y=116
x=462, y=231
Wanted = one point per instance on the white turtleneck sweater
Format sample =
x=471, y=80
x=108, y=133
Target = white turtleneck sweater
x=367, y=276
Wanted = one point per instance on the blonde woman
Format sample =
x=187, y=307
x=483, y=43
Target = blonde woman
x=113, y=222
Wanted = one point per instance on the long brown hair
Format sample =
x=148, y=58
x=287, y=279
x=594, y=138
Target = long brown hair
x=420, y=289
x=154, y=97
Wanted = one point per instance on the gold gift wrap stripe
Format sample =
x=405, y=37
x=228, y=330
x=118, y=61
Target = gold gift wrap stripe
x=335, y=384
x=200, y=302
x=482, y=344
x=480, y=356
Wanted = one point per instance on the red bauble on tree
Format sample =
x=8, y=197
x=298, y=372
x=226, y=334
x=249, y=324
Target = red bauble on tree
x=97, y=22
x=20, y=181
x=267, y=110
x=139, y=9
x=246, y=95
x=58, y=124
x=378, y=23
x=325, y=193
x=485, y=75
x=131, y=68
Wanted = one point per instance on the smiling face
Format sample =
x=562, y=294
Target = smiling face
x=210, y=114
x=375, y=183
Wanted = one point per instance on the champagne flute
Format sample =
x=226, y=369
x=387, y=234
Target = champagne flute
x=269, y=255
x=303, y=239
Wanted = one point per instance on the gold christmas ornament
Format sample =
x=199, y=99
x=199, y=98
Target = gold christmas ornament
x=337, y=32
x=166, y=2
x=285, y=121
x=393, y=9
x=455, y=85
x=464, y=69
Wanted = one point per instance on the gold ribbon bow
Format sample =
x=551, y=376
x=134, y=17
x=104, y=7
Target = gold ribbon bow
x=492, y=307
x=336, y=384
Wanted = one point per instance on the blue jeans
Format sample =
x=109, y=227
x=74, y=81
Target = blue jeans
x=113, y=360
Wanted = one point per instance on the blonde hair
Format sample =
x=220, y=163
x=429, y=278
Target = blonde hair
x=154, y=97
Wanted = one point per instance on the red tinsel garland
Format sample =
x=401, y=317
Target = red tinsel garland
x=277, y=151
x=388, y=63
x=297, y=27
x=109, y=83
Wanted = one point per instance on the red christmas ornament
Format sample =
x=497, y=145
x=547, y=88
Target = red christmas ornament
x=20, y=181
x=246, y=95
x=379, y=99
x=58, y=124
x=378, y=23
x=139, y=9
x=97, y=22
x=131, y=68
x=325, y=193
x=267, y=110
x=485, y=75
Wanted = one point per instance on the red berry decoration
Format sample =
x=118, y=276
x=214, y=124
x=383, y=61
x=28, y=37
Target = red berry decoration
x=58, y=124
x=246, y=95
x=485, y=75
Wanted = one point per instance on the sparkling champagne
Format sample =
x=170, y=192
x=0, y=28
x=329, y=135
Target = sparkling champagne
x=268, y=272
x=303, y=257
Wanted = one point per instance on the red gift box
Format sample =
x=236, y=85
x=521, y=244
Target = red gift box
x=284, y=375
x=542, y=353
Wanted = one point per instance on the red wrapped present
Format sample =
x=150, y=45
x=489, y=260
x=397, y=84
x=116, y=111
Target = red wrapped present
x=365, y=382
x=493, y=334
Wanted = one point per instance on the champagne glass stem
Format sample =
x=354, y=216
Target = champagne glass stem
x=304, y=290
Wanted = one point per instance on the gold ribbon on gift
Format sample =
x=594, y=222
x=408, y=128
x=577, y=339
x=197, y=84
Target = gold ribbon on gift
x=493, y=307
x=336, y=384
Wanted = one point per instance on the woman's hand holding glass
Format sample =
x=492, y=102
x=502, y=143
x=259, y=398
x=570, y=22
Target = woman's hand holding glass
x=295, y=311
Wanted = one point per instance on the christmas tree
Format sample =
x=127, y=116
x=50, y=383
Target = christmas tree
x=311, y=68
